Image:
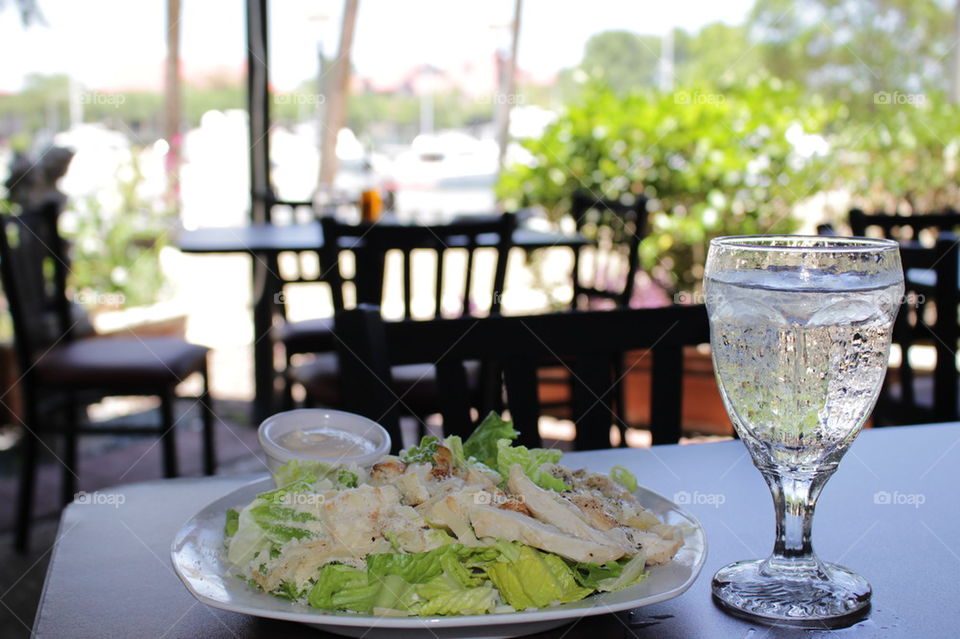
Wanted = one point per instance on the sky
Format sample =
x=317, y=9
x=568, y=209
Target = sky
x=120, y=44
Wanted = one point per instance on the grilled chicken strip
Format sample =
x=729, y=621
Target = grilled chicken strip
x=659, y=549
x=489, y=521
x=593, y=510
x=553, y=508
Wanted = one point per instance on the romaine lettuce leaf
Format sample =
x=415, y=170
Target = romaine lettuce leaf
x=347, y=478
x=530, y=459
x=416, y=568
x=298, y=475
x=268, y=521
x=233, y=521
x=333, y=579
x=249, y=541
x=589, y=574
x=445, y=580
x=482, y=443
x=288, y=590
x=444, y=596
x=342, y=587
x=455, y=444
x=535, y=579
x=270, y=517
x=422, y=453
x=624, y=477
x=632, y=572
x=301, y=473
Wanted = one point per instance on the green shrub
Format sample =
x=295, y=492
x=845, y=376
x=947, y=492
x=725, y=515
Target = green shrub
x=900, y=156
x=115, y=245
x=710, y=163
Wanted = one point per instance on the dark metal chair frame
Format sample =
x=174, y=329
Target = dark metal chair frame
x=593, y=341
x=34, y=267
x=615, y=230
x=939, y=326
x=892, y=226
x=929, y=313
x=370, y=244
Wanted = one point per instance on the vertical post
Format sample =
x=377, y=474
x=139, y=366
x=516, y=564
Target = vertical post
x=336, y=102
x=265, y=281
x=258, y=107
x=172, y=105
x=946, y=328
x=505, y=100
x=321, y=111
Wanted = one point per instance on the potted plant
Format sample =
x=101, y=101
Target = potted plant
x=116, y=243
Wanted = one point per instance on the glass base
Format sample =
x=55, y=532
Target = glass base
x=833, y=597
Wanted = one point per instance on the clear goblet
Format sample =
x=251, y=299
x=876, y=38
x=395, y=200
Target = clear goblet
x=800, y=333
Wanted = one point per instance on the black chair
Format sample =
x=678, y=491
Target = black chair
x=604, y=273
x=295, y=268
x=928, y=316
x=61, y=370
x=605, y=269
x=928, y=250
x=903, y=228
x=370, y=244
x=593, y=341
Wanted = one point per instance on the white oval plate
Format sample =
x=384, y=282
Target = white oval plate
x=198, y=558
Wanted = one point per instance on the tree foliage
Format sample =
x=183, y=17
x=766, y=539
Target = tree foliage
x=850, y=47
x=623, y=59
x=710, y=164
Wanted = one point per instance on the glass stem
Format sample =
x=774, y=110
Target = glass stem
x=795, y=498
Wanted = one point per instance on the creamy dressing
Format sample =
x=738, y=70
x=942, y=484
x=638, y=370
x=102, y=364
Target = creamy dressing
x=326, y=442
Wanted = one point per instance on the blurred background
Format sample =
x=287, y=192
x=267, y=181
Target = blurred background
x=738, y=117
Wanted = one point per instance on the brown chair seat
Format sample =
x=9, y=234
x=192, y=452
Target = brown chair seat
x=308, y=336
x=415, y=385
x=121, y=361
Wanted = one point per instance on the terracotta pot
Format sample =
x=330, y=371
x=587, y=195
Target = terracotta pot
x=703, y=411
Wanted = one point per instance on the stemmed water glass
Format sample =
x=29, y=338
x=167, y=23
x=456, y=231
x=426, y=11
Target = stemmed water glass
x=800, y=332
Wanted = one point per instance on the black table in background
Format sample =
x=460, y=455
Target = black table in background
x=891, y=513
x=264, y=242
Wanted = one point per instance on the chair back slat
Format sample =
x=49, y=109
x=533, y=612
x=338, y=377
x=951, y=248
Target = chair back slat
x=330, y=260
x=468, y=278
x=903, y=227
x=365, y=378
x=438, y=284
x=34, y=269
x=614, y=229
x=371, y=243
x=947, y=329
x=930, y=316
x=520, y=380
x=593, y=387
x=666, y=394
x=454, y=397
x=500, y=275
x=407, y=282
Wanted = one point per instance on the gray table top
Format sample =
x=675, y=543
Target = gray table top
x=271, y=238
x=891, y=513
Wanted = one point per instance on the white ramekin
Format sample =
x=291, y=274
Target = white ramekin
x=278, y=425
